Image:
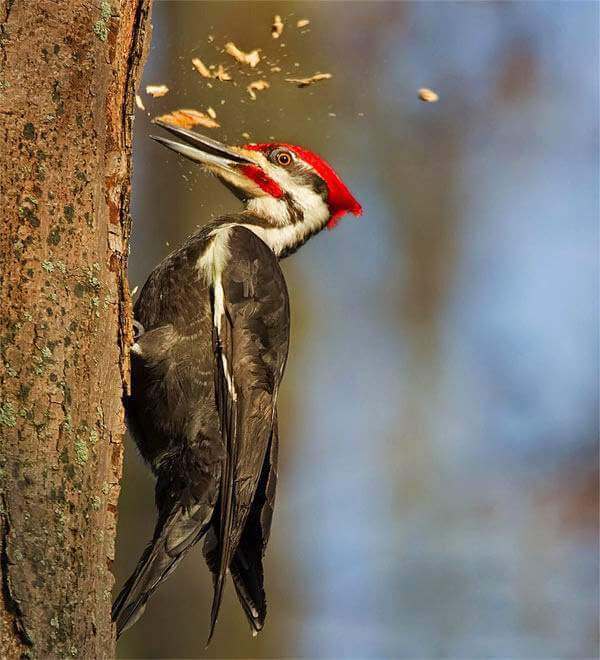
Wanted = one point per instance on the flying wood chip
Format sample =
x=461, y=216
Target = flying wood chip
x=305, y=82
x=303, y=22
x=252, y=58
x=201, y=68
x=428, y=95
x=188, y=119
x=256, y=86
x=157, y=90
x=139, y=103
x=221, y=74
x=277, y=27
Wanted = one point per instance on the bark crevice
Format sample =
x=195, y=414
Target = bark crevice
x=11, y=603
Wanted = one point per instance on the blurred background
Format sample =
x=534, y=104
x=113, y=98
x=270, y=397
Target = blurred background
x=438, y=483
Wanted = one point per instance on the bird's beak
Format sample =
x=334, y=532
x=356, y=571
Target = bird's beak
x=201, y=149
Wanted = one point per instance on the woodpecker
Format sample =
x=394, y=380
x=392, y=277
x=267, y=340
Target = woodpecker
x=213, y=326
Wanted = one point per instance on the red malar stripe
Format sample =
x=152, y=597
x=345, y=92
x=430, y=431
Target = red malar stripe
x=265, y=182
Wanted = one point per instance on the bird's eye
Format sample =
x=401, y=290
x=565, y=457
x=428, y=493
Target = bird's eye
x=283, y=158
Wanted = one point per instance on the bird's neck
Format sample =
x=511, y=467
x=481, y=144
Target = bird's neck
x=285, y=224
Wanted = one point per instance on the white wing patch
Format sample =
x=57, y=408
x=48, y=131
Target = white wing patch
x=211, y=266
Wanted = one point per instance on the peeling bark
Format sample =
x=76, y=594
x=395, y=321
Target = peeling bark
x=67, y=77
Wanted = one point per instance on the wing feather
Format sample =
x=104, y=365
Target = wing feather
x=250, y=339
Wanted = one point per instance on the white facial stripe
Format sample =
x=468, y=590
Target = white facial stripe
x=271, y=209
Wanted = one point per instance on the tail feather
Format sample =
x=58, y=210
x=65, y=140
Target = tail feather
x=173, y=537
x=247, y=565
x=218, y=556
x=248, y=578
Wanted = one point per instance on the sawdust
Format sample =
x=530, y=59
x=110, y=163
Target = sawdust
x=257, y=86
x=252, y=58
x=201, y=68
x=188, y=119
x=305, y=82
x=428, y=95
x=277, y=27
x=157, y=90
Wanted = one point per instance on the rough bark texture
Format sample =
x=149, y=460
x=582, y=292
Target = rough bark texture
x=67, y=75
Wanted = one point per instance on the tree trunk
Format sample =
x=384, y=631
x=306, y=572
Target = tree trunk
x=67, y=76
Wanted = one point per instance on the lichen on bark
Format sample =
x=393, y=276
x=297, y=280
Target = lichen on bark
x=66, y=105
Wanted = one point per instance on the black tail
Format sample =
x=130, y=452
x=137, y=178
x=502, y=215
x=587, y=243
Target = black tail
x=175, y=534
x=248, y=578
x=246, y=565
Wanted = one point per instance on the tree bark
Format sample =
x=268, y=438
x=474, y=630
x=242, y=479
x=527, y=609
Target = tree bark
x=67, y=76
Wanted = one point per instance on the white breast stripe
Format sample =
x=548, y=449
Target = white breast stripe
x=211, y=265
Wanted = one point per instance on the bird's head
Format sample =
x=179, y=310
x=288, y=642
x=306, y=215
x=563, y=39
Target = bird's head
x=289, y=193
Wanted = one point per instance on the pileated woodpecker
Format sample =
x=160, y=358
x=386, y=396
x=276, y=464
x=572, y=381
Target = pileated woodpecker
x=213, y=332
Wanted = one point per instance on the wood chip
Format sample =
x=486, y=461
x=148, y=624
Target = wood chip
x=139, y=103
x=275, y=69
x=157, y=90
x=428, y=95
x=303, y=22
x=277, y=27
x=221, y=74
x=305, y=82
x=188, y=119
x=201, y=68
x=246, y=135
x=256, y=86
x=211, y=113
x=252, y=58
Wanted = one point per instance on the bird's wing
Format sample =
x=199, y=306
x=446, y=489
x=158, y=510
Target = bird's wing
x=172, y=415
x=251, y=334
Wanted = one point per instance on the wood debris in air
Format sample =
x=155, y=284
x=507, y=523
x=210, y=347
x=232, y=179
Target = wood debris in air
x=277, y=27
x=212, y=71
x=221, y=74
x=201, y=68
x=428, y=95
x=139, y=103
x=157, y=90
x=257, y=86
x=305, y=82
x=188, y=119
x=252, y=58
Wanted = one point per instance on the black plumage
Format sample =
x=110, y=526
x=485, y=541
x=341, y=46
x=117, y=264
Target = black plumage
x=206, y=368
x=213, y=453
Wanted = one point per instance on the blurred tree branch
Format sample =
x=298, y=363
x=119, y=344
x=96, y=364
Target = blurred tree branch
x=67, y=77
